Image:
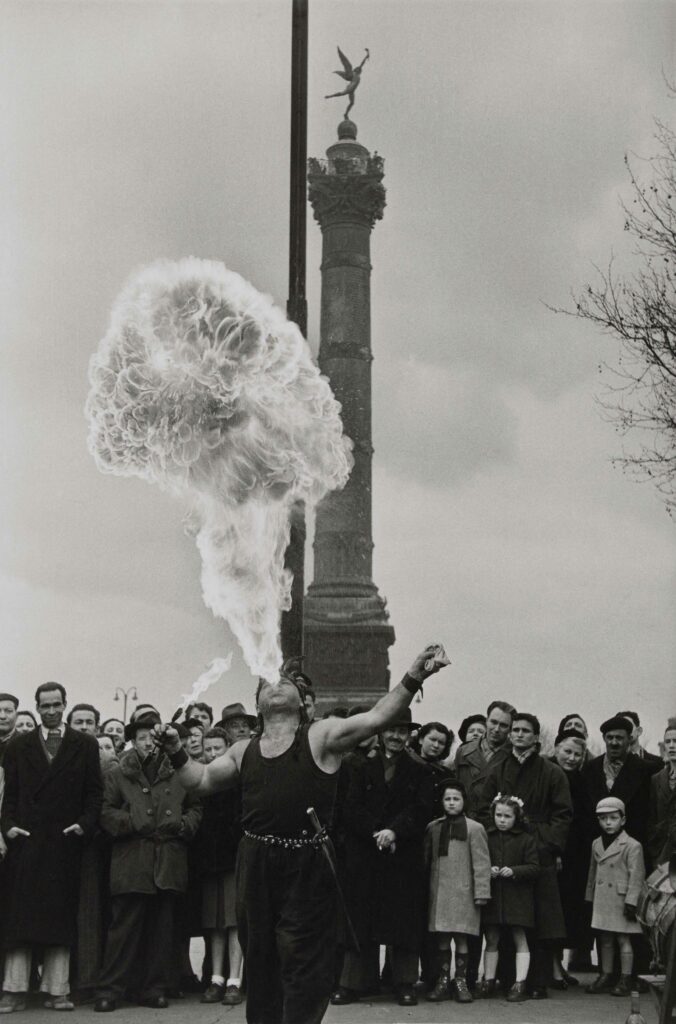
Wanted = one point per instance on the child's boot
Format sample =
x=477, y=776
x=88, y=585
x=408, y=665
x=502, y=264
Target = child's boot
x=622, y=987
x=442, y=989
x=462, y=992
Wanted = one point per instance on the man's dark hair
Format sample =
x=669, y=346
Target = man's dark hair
x=216, y=733
x=501, y=705
x=202, y=707
x=47, y=688
x=632, y=716
x=525, y=716
x=104, y=724
x=11, y=698
x=85, y=707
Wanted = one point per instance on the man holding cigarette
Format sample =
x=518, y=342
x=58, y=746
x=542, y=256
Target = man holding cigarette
x=286, y=895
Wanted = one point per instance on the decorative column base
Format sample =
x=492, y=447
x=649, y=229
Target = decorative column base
x=347, y=636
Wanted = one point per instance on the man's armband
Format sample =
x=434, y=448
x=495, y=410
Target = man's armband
x=178, y=759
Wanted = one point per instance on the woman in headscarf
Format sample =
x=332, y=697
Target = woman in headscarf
x=570, y=748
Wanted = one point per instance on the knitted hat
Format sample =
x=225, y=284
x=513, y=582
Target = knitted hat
x=609, y=804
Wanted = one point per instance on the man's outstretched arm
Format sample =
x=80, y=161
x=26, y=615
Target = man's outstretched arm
x=201, y=779
x=343, y=734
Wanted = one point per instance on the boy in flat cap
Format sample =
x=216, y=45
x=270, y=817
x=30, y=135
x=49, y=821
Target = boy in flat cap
x=616, y=874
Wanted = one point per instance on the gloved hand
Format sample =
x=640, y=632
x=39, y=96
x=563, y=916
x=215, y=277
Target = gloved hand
x=630, y=911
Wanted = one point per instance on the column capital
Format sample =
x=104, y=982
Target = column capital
x=339, y=197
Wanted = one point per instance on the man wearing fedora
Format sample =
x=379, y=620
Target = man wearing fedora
x=286, y=895
x=236, y=724
x=151, y=819
x=389, y=802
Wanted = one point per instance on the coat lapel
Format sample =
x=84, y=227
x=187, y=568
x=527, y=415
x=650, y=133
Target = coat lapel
x=615, y=847
x=68, y=749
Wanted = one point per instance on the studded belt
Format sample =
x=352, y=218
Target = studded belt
x=288, y=842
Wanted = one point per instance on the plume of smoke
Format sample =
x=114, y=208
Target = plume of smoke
x=211, y=675
x=202, y=386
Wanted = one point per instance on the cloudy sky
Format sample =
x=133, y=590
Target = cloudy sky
x=131, y=131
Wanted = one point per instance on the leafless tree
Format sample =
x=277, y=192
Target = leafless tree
x=639, y=396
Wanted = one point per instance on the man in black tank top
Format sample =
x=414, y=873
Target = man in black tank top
x=286, y=895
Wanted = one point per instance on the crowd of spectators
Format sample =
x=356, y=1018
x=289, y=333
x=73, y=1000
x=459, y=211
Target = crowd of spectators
x=479, y=863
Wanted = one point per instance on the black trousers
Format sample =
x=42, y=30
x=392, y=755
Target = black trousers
x=361, y=970
x=140, y=945
x=287, y=922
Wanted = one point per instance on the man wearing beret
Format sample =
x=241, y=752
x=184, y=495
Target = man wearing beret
x=621, y=774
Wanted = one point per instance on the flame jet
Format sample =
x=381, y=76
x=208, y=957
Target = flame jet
x=202, y=386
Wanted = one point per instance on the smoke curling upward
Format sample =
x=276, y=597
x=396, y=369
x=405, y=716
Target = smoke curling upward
x=202, y=385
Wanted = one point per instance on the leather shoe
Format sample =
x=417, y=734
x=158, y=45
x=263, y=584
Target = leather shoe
x=603, y=983
x=105, y=1005
x=539, y=992
x=406, y=996
x=344, y=996
x=155, y=1002
x=560, y=984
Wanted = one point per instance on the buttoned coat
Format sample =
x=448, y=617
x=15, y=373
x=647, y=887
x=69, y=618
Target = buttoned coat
x=385, y=891
x=632, y=786
x=457, y=879
x=43, y=870
x=615, y=879
x=662, y=823
x=544, y=789
x=471, y=768
x=512, y=899
x=151, y=824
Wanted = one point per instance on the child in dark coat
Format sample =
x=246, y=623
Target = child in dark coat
x=514, y=870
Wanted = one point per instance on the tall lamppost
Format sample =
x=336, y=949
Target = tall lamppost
x=125, y=695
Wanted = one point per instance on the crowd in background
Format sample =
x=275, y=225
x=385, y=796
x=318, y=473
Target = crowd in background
x=493, y=868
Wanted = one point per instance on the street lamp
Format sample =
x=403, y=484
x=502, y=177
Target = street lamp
x=125, y=695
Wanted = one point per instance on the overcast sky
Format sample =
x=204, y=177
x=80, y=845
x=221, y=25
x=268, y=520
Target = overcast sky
x=131, y=131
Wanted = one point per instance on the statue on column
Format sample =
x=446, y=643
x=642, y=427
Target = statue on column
x=352, y=76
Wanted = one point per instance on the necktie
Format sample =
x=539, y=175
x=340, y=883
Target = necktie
x=53, y=742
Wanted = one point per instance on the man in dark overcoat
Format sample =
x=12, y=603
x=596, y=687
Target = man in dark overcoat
x=544, y=789
x=385, y=813
x=622, y=774
x=52, y=800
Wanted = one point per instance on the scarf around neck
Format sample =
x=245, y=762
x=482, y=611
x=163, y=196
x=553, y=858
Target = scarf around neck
x=452, y=828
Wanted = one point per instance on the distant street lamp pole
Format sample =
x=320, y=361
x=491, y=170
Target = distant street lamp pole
x=125, y=695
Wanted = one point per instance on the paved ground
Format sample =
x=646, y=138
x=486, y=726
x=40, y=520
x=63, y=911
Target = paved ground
x=572, y=1007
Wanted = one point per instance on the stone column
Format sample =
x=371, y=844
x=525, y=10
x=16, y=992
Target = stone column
x=347, y=630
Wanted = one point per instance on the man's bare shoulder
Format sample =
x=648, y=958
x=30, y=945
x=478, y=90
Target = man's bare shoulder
x=236, y=751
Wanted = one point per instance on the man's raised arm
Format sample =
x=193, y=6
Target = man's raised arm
x=202, y=779
x=342, y=734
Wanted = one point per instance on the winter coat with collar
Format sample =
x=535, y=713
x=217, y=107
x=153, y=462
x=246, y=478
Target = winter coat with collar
x=662, y=825
x=151, y=824
x=512, y=899
x=616, y=875
x=632, y=786
x=471, y=768
x=457, y=879
x=44, y=797
x=385, y=891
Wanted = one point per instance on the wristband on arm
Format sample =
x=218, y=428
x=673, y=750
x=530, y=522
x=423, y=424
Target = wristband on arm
x=412, y=685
